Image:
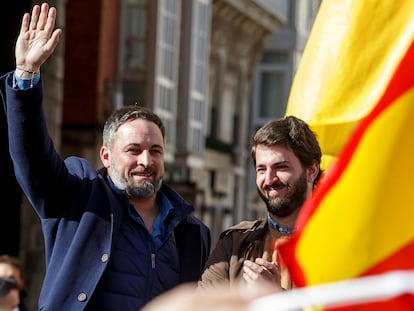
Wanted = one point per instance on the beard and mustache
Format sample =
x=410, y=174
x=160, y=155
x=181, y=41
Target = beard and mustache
x=142, y=189
x=291, y=201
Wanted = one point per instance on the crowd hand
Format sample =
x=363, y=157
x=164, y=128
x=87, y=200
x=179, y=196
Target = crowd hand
x=218, y=298
x=37, y=40
x=262, y=271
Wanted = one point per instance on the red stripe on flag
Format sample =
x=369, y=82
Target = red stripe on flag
x=402, y=80
x=396, y=261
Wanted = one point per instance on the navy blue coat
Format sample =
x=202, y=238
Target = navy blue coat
x=79, y=211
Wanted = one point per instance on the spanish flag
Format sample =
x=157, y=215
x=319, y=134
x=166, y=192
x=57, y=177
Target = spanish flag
x=352, y=53
x=355, y=87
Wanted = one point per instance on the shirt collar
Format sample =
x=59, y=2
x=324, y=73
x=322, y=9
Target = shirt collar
x=275, y=226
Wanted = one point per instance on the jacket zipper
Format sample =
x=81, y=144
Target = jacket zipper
x=153, y=260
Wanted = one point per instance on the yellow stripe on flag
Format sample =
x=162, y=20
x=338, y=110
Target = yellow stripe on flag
x=367, y=215
x=352, y=52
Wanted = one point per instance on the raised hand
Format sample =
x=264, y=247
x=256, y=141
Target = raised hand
x=37, y=39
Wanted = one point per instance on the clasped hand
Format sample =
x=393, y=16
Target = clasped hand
x=262, y=271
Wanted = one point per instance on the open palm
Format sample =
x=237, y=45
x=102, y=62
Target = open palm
x=37, y=40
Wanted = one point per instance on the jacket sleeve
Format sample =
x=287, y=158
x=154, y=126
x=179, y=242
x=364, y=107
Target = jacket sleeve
x=219, y=268
x=39, y=169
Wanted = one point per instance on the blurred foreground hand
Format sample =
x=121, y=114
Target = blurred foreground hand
x=225, y=298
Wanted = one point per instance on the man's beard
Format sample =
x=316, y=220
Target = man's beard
x=139, y=190
x=290, y=202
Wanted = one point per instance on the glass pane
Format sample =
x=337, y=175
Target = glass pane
x=169, y=130
x=200, y=34
x=275, y=57
x=197, y=140
x=168, y=45
x=197, y=108
x=134, y=40
x=165, y=97
x=271, y=102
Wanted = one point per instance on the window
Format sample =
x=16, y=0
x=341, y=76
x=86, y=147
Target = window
x=200, y=47
x=167, y=64
x=272, y=99
x=199, y=63
x=135, y=27
x=271, y=86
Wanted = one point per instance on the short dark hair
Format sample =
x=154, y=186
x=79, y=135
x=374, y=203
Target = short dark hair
x=124, y=114
x=292, y=133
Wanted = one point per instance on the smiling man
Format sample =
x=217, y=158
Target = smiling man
x=115, y=237
x=287, y=156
